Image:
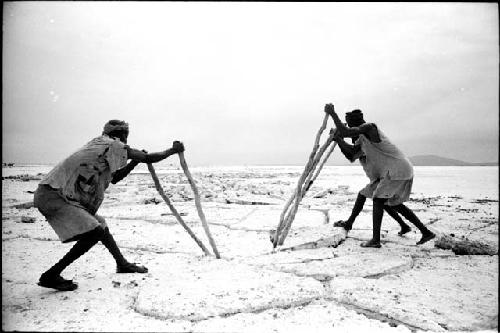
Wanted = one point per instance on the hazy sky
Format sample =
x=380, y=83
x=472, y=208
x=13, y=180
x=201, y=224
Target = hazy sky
x=246, y=83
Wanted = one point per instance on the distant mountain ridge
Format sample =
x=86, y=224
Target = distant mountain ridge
x=434, y=160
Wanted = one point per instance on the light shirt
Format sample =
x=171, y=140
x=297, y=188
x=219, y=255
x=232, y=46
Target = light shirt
x=83, y=177
x=384, y=159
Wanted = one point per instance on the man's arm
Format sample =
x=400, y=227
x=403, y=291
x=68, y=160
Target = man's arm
x=138, y=156
x=123, y=172
x=351, y=152
x=142, y=157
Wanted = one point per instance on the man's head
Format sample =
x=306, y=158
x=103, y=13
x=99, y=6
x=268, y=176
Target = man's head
x=354, y=118
x=116, y=129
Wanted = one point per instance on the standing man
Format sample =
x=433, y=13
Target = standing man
x=389, y=171
x=71, y=193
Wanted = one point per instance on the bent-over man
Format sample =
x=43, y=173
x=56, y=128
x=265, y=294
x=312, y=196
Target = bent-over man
x=389, y=171
x=71, y=193
x=355, y=119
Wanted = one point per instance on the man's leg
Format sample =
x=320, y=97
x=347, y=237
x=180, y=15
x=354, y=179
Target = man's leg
x=122, y=265
x=52, y=279
x=378, y=213
x=427, y=235
x=404, y=227
x=358, y=207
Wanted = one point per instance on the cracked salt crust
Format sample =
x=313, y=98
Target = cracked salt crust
x=398, y=288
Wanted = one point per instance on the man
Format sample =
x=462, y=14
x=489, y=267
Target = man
x=355, y=119
x=389, y=171
x=71, y=193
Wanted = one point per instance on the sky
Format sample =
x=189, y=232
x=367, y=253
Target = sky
x=245, y=83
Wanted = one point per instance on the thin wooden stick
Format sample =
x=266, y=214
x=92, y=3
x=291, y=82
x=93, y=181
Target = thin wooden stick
x=312, y=176
x=174, y=211
x=332, y=147
x=198, y=204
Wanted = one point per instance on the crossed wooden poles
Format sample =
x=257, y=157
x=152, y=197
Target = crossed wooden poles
x=197, y=203
x=305, y=181
x=287, y=216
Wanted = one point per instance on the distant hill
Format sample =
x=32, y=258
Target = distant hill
x=433, y=160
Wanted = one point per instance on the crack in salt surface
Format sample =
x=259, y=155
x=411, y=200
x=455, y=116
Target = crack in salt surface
x=230, y=227
x=145, y=249
x=391, y=271
x=370, y=314
x=325, y=279
x=247, y=215
x=377, y=316
x=151, y=221
x=487, y=225
x=256, y=310
x=319, y=277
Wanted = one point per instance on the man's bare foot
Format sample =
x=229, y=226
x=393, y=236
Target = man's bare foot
x=56, y=282
x=344, y=224
x=130, y=268
x=371, y=243
x=404, y=230
x=426, y=238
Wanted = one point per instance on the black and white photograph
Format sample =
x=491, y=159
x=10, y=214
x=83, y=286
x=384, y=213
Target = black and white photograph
x=226, y=166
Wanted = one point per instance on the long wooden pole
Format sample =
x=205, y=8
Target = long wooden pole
x=302, y=193
x=198, y=203
x=305, y=181
x=174, y=211
x=300, y=181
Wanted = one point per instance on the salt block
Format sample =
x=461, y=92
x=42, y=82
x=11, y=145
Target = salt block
x=228, y=215
x=454, y=293
x=464, y=246
x=96, y=306
x=197, y=290
x=275, y=259
x=303, y=238
x=368, y=265
x=334, y=240
x=317, y=316
x=157, y=237
x=241, y=243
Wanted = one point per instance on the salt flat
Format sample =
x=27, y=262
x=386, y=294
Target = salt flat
x=398, y=288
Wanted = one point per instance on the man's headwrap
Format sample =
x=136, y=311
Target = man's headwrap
x=355, y=117
x=115, y=126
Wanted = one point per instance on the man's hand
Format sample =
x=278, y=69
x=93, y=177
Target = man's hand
x=330, y=109
x=178, y=147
